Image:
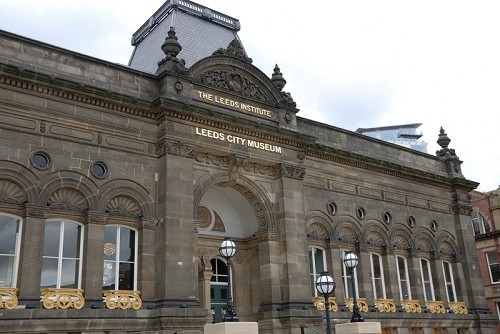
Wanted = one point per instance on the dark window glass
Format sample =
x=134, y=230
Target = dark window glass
x=40, y=160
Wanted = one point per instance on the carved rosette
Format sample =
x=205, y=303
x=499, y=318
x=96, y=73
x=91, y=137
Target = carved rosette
x=293, y=172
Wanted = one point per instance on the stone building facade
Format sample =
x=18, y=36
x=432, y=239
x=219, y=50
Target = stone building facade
x=118, y=185
x=485, y=215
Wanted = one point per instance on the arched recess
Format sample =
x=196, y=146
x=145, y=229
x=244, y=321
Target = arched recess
x=446, y=244
x=375, y=233
x=424, y=241
x=400, y=238
x=347, y=229
x=20, y=183
x=53, y=182
x=126, y=196
x=318, y=225
x=256, y=197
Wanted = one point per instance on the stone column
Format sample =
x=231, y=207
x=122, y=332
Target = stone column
x=92, y=266
x=147, y=258
x=175, y=238
x=30, y=262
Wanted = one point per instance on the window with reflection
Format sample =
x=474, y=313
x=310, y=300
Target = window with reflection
x=9, y=250
x=480, y=224
x=493, y=266
x=317, y=264
x=120, y=253
x=377, y=276
x=346, y=277
x=449, y=282
x=425, y=269
x=62, y=255
x=403, y=279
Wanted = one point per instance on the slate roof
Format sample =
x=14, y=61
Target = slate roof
x=200, y=32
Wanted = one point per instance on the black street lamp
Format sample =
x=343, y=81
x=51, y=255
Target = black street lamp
x=351, y=261
x=325, y=284
x=227, y=250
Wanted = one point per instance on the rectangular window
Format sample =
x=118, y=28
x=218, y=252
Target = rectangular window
x=493, y=265
x=317, y=265
x=120, y=252
x=377, y=276
x=346, y=277
x=9, y=250
x=449, y=282
x=425, y=269
x=62, y=249
x=403, y=280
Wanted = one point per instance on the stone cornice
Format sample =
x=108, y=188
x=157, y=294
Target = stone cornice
x=388, y=168
x=40, y=83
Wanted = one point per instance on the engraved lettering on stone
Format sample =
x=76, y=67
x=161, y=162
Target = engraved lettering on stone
x=233, y=81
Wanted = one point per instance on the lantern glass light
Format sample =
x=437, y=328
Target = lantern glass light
x=227, y=248
x=325, y=283
x=351, y=260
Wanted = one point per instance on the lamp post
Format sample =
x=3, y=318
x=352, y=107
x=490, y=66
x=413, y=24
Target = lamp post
x=351, y=261
x=227, y=250
x=325, y=284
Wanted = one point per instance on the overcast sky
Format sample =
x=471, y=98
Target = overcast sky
x=351, y=64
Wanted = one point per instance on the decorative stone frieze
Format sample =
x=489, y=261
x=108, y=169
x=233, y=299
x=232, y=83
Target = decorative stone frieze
x=293, y=172
x=266, y=235
x=272, y=171
x=237, y=164
x=34, y=212
x=184, y=322
x=176, y=148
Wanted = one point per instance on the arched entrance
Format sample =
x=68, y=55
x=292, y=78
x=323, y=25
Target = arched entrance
x=227, y=209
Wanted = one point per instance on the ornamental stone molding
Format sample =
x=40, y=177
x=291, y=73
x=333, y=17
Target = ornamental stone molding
x=97, y=219
x=11, y=193
x=234, y=49
x=267, y=235
x=176, y=148
x=165, y=323
x=149, y=224
x=211, y=159
x=34, y=212
x=68, y=200
x=293, y=172
x=237, y=164
x=272, y=171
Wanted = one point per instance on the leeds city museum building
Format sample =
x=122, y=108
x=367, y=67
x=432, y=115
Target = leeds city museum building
x=119, y=183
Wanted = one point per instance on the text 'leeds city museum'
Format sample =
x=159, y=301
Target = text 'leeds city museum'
x=118, y=185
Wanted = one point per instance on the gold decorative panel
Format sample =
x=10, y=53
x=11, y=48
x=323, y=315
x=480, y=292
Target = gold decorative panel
x=53, y=298
x=435, y=306
x=411, y=306
x=8, y=298
x=319, y=302
x=122, y=299
x=362, y=304
x=458, y=308
x=385, y=305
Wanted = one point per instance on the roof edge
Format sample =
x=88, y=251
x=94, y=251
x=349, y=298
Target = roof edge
x=188, y=7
